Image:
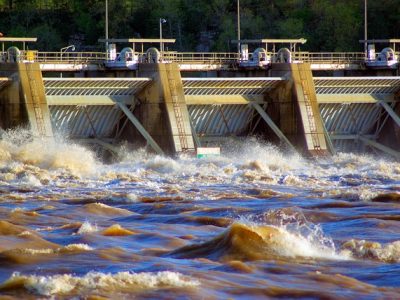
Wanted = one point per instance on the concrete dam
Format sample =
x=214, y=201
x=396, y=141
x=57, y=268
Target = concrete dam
x=172, y=114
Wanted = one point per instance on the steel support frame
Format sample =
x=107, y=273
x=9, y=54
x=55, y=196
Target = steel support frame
x=328, y=139
x=380, y=147
x=391, y=112
x=368, y=140
x=120, y=129
x=272, y=125
x=195, y=136
x=140, y=128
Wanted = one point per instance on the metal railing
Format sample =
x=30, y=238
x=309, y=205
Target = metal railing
x=56, y=57
x=197, y=57
x=329, y=57
x=184, y=57
x=71, y=57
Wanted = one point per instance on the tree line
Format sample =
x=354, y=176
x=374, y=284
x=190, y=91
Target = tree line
x=201, y=25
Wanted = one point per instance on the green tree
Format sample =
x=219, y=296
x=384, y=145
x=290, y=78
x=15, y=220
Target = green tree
x=328, y=25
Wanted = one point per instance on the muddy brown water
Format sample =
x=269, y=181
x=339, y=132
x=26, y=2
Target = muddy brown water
x=253, y=223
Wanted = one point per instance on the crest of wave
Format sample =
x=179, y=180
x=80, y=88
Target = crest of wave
x=280, y=234
x=19, y=146
x=69, y=285
x=298, y=237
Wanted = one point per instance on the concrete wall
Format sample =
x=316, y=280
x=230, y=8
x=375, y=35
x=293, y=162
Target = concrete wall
x=23, y=103
x=13, y=112
x=162, y=110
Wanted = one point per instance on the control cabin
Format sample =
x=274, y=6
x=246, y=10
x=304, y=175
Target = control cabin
x=266, y=53
x=13, y=53
x=386, y=58
x=129, y=57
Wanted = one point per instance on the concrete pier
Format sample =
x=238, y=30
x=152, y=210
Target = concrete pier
x=299, y=116
x=308, y=111
x=163, y=110
x=23, y=101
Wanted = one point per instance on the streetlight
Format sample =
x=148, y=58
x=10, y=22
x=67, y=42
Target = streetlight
x=162, y=21
x=63, y=50
x=68, y=47
x=365, y=29
x=238, y=26
x=106, y=27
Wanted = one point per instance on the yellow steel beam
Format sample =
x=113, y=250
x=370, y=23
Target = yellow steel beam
x=354, y=98
x=88, y=100
x=222, y=99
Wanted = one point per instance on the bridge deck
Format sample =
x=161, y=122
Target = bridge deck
x=72, y=61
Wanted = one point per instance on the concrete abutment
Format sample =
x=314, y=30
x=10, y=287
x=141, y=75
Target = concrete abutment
x=23, y=101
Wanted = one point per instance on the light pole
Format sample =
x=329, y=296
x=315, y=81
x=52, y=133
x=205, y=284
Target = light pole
x=238, y=26
x=62, y=50
x=162, y=21
x=66, y=48
x=365, y=30
x=106, y=29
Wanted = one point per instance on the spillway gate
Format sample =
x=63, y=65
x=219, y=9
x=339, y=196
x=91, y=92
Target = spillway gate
x=173, y=114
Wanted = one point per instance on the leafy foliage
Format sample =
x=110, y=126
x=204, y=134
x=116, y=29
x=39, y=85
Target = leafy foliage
x=201, y=24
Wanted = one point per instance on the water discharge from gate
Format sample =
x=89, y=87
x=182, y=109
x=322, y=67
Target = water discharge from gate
x=253, y=222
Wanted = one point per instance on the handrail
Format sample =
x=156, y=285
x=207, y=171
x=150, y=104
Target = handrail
x=70, y=57
x=201, y=56
x=59, y=57
x=329, y=57
x=189, y=57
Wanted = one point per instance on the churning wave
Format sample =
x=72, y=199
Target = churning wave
x=96, y=281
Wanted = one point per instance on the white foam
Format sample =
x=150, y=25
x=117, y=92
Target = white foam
x=68, y=248
x=163, y=164
x=366, y=194
x=297, y=245
x=37, y=251
x=52, y=154
x=132, y=198
x=254, y=161
x=298, y=237
x=38, y=162
x=31, y=180
x=87, y=227
x=64, y=284
x=373, y=250
x=76, y=247
x=25, y=233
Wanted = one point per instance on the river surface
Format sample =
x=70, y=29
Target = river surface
x=253, y=223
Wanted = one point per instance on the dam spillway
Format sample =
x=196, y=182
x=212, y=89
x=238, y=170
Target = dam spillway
x=352, y=113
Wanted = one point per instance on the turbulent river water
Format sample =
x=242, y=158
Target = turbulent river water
x=253, y=223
